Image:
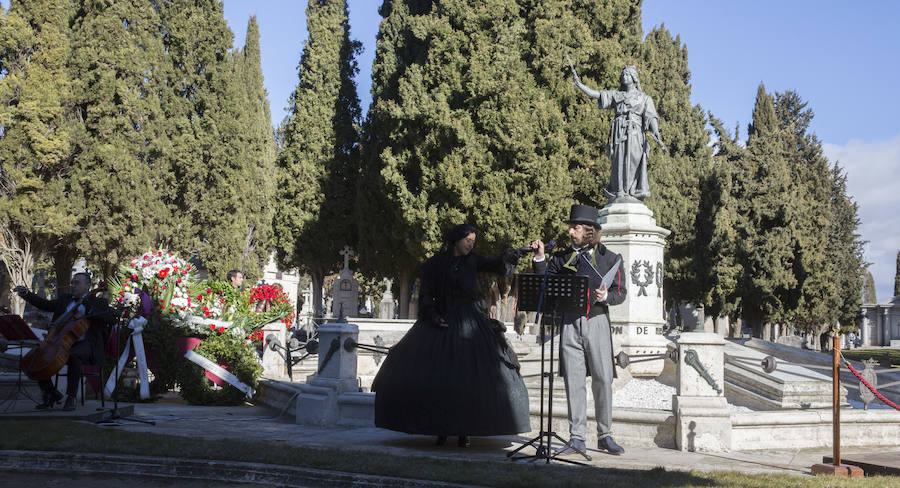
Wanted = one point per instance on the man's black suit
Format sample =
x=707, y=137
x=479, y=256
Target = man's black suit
x=89, y=350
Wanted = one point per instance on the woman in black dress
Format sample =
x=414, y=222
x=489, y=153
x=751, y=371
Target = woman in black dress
x=453, y=373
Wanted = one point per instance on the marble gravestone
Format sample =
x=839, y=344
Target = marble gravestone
x=386, y=307
x=345, y=292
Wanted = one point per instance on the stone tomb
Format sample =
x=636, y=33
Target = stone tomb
x=345, y=293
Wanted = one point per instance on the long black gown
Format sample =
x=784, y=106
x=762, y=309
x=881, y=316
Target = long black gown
x=459, y=380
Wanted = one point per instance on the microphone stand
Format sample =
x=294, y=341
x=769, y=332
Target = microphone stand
x=114, y=413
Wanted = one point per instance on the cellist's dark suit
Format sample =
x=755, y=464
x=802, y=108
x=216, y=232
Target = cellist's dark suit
x=87, y=350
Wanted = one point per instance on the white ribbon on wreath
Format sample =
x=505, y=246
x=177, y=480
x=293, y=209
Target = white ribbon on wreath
x=217, y=370
x=135, y=340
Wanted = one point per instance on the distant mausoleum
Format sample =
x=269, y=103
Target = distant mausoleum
x=880, y=324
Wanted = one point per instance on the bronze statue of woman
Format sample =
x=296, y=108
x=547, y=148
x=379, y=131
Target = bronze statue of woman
x=628, y=146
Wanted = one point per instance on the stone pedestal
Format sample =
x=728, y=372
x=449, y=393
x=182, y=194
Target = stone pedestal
x=331, y=395
x=702, y=417
x=630, y=230
x=272, y=361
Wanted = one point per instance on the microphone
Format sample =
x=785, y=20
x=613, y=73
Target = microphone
x=547, y=247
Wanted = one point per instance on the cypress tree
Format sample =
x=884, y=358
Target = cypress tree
x=765, y=239
x=675, y=178
x=36, y=146
x=719, y=270
x=318, y=164
x=207, y=111
x=117, y=65
x=459, y=130
x=815, y=299
x=897, y=277
x=256, y=144
x=846, y=249
x=868, y=291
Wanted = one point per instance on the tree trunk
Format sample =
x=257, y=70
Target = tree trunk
x=18, y=256
x=318, y=307
x=63, y=259
x=403, y=291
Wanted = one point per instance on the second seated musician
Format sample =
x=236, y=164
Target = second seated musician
x=453, y=373
x=585, y=345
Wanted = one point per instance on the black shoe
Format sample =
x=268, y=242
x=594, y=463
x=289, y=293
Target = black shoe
x=441, y=440
x=463, y=441
x=50, y=399
x=70, y=404
x=609, y=445
x=574, y=446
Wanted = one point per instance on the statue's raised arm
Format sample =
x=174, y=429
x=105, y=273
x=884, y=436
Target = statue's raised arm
x=635, y=114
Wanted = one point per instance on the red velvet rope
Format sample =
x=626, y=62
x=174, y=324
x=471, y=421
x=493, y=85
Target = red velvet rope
x=872, y=389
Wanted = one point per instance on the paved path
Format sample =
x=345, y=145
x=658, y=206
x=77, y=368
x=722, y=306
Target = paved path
x=262, y=424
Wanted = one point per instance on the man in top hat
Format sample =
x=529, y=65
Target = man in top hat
x=585, y=346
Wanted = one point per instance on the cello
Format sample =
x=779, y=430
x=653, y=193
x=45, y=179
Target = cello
x=44, y=361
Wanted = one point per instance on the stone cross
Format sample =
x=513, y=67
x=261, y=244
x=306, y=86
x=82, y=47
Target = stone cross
x=347, y=253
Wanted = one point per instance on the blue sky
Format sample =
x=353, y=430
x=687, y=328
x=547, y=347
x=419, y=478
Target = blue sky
x=839, y=56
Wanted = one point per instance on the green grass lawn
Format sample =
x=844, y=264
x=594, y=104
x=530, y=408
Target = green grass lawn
x=61, y=435
x=861, y=354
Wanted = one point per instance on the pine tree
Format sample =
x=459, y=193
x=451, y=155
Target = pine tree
x=36, y=146
x=117, y=177
x=869, y=294
x=675, y=178
x=318, y=164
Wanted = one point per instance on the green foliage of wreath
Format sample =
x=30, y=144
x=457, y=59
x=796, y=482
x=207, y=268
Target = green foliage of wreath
x=162, y=349
x=228, y=349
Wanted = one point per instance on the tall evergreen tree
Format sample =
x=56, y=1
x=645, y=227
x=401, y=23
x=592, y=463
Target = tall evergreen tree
x=763, y=189
x=719, y=270
x=118, y=66
x=869, y=294
x=675, y=178
x=845, y=248
x=256, y=143
x=815, y=299
x=208, y=113
x=897, y=277
x=318, y=164
x=36, y=148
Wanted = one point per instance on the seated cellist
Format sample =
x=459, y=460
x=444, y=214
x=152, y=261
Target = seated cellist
x=87, y=349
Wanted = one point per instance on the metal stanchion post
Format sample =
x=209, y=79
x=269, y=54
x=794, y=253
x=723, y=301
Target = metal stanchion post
x=836, y=468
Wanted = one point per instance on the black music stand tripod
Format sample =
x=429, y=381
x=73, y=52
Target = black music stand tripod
x=561, y=294
x=17, y=333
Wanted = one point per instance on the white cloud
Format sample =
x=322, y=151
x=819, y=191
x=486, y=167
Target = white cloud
x=873, y=180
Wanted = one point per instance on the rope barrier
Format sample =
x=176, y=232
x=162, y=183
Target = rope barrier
x=870, y=387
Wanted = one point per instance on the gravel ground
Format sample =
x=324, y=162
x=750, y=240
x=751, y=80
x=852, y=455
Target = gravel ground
x=649, y=393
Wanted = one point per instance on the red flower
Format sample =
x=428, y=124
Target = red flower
x=163, y=272
x=221, y=330
x=212, y=327
x=206, y=312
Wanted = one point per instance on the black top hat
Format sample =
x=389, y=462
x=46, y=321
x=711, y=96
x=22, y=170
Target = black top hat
x=583, y=214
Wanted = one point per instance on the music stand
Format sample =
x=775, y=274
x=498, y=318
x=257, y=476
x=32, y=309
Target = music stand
x=560, y=294
x=14, y=329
